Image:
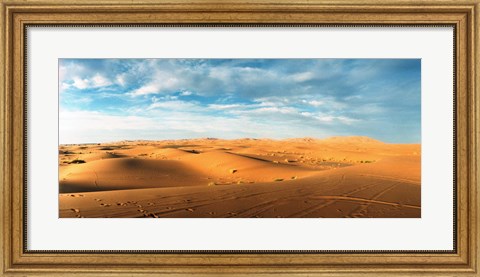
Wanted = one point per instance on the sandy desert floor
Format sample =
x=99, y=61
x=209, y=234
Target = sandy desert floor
x=293, y=178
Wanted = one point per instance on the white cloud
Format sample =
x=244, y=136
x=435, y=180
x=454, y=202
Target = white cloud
x=347, y=120
x=96, y=81
x=282, y=110
x=100, y=81
x=64, y=86
x=145, y=90
x=186, y=93
x=67, y=72
x=80, y=83
x=330, y=118
x=254, y=111
x=302, y=77
x=257, y=76
x=163, y=82
x=220, y=73
x=120, y=78
x=170, y=83
x=225, y=106
x=269, y=104
x=314, y=103
x=173, y=105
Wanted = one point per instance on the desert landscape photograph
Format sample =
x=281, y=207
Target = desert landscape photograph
x=239, y=138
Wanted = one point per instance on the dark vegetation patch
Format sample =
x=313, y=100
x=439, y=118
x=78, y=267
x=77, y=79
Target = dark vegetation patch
x=193, y=151
x=113, y=147
x=77, y=161
x=366, y=162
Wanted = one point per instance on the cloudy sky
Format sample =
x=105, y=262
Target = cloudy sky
x=105, y=100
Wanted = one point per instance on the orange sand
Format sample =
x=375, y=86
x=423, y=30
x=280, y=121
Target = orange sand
x=335, y=177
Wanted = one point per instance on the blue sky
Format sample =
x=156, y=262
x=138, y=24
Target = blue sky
x=105, y=100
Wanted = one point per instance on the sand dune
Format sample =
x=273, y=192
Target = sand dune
x=128, y=173
x=237, y=167
x=304, y=177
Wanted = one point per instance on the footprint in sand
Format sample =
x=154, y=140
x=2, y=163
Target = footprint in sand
x=150, y=204
x=211, y=213
x=98, y=200
x=190, y=210
x=105, y=205
x=75, y=210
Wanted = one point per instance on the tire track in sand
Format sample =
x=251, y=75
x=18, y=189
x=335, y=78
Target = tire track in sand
x=361, y=211
x=310, y=210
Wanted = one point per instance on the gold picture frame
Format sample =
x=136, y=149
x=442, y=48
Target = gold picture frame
x=463, y=15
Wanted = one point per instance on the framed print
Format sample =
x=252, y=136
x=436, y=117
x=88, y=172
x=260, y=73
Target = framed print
x=239, y=138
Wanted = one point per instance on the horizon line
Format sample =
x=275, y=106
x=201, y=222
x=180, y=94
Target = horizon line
x=239, y=138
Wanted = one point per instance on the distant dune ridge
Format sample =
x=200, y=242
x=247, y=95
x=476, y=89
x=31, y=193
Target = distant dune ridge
x=210, y=177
